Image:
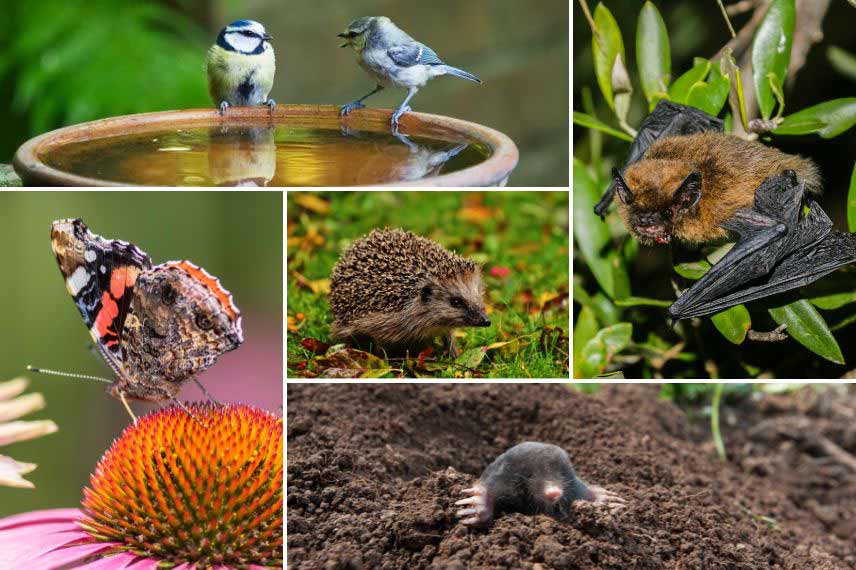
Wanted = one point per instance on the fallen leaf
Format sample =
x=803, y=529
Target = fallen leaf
x=351, y=363
x=314, y=345
x=291, y=325
x=420, y=362
x=311, y=202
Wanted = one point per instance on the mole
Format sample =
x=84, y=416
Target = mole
x=530, y=478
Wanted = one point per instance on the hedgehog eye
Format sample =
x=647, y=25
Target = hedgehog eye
x=426, y=293
x=203, y=322
x=168, y=295
x=457, y=302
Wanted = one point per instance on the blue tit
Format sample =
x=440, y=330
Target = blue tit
x=241, y=66
x=393, y=58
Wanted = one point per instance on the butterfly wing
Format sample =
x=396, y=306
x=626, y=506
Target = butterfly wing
x=100, y=275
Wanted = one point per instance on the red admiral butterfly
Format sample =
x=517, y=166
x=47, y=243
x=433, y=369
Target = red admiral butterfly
x=156, y=326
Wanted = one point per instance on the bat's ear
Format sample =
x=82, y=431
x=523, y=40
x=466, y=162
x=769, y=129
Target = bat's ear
x=688, y=193
x=622, y=188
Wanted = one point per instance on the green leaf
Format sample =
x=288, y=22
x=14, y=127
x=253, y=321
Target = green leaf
x=844, y=62
x=680, y=89
x=808, y=327
x=642, y=301
x=607, y=44
x=600, y=350
x=771, y=52
x=710, y=96
x=851, y=202
x=588, y=121
x=693, y=269
x=832, y=292
x=733, y=323
x=829, y=119
x=652, y=54
x=593, y=238
x=584, y=330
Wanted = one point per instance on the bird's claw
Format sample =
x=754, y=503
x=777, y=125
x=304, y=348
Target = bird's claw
x=223, y=106
x=397, y=115
x=346, y=109
x=271, y=104
x=477, y=512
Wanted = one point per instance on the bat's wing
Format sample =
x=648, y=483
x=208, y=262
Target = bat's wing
x=780, y=248
x=666, y=120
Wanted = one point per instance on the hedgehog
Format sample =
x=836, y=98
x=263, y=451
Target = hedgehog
x=399, y=290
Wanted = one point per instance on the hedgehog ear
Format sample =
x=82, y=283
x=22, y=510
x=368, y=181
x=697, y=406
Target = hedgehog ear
x=425, y=294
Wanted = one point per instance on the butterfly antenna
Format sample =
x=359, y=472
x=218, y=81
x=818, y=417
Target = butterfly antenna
x=206, y=392
x=68, y=374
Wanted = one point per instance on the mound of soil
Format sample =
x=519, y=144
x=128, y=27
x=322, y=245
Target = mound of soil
x=374, y=470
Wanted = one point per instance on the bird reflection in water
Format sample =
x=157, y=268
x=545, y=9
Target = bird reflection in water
x=422, y=161
x=241, y=155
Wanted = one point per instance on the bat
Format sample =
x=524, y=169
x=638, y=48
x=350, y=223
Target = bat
x=685, y=179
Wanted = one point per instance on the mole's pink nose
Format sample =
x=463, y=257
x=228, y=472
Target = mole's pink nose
x=552, y=493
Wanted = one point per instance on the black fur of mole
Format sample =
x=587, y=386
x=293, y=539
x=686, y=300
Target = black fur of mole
x=530, y=478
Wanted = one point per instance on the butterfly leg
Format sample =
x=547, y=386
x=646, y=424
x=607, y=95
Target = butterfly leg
x=206, y=392
x=181, y=405
x=127, y=406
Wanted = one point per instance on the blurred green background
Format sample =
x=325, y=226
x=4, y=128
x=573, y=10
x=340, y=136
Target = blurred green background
x=236, y=237
x=68, y=61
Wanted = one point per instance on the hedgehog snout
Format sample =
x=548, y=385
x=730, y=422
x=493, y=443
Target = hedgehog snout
x=479, y=318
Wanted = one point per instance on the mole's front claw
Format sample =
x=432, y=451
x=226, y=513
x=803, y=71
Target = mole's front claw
x=611, y=500
x=478, y=512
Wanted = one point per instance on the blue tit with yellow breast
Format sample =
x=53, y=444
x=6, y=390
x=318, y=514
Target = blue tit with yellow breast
x=241, y=66
x=394, y=59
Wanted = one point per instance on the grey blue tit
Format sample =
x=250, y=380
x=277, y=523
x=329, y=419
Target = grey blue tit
x=393, y=58
x=241, y=66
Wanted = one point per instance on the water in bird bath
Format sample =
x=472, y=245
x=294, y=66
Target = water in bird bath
x=235, y=154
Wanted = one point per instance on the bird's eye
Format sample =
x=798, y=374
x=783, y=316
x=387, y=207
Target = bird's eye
x=456, y=302
x=203, y=322
x=168, y=295
x=352, y=34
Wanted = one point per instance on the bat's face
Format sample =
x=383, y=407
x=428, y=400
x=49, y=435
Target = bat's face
x=652, y=199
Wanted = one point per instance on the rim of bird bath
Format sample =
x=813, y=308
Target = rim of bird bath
x=493, y=171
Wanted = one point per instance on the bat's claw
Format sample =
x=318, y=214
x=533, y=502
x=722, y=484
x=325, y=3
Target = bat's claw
x=477, y=511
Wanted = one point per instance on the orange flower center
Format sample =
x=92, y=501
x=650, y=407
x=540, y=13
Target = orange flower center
x=178, y=491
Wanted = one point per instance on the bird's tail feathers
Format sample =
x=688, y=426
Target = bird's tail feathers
x=461, y=73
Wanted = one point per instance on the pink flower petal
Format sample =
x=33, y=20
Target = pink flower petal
x=71, y=557
x=29, y=536
x=121, y=561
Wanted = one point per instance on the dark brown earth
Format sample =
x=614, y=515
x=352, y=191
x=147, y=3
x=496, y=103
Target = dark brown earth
x=374, y=470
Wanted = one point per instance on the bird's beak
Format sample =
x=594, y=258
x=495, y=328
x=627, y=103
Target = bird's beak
x=267, y=37
x=342, y=35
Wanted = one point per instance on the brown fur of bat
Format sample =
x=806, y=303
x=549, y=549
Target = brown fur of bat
x=664, y=202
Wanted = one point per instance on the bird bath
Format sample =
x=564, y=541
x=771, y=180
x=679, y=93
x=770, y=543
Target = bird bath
x=297, y=145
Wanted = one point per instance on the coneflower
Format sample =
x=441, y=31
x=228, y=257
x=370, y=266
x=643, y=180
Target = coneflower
x=173, y=491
